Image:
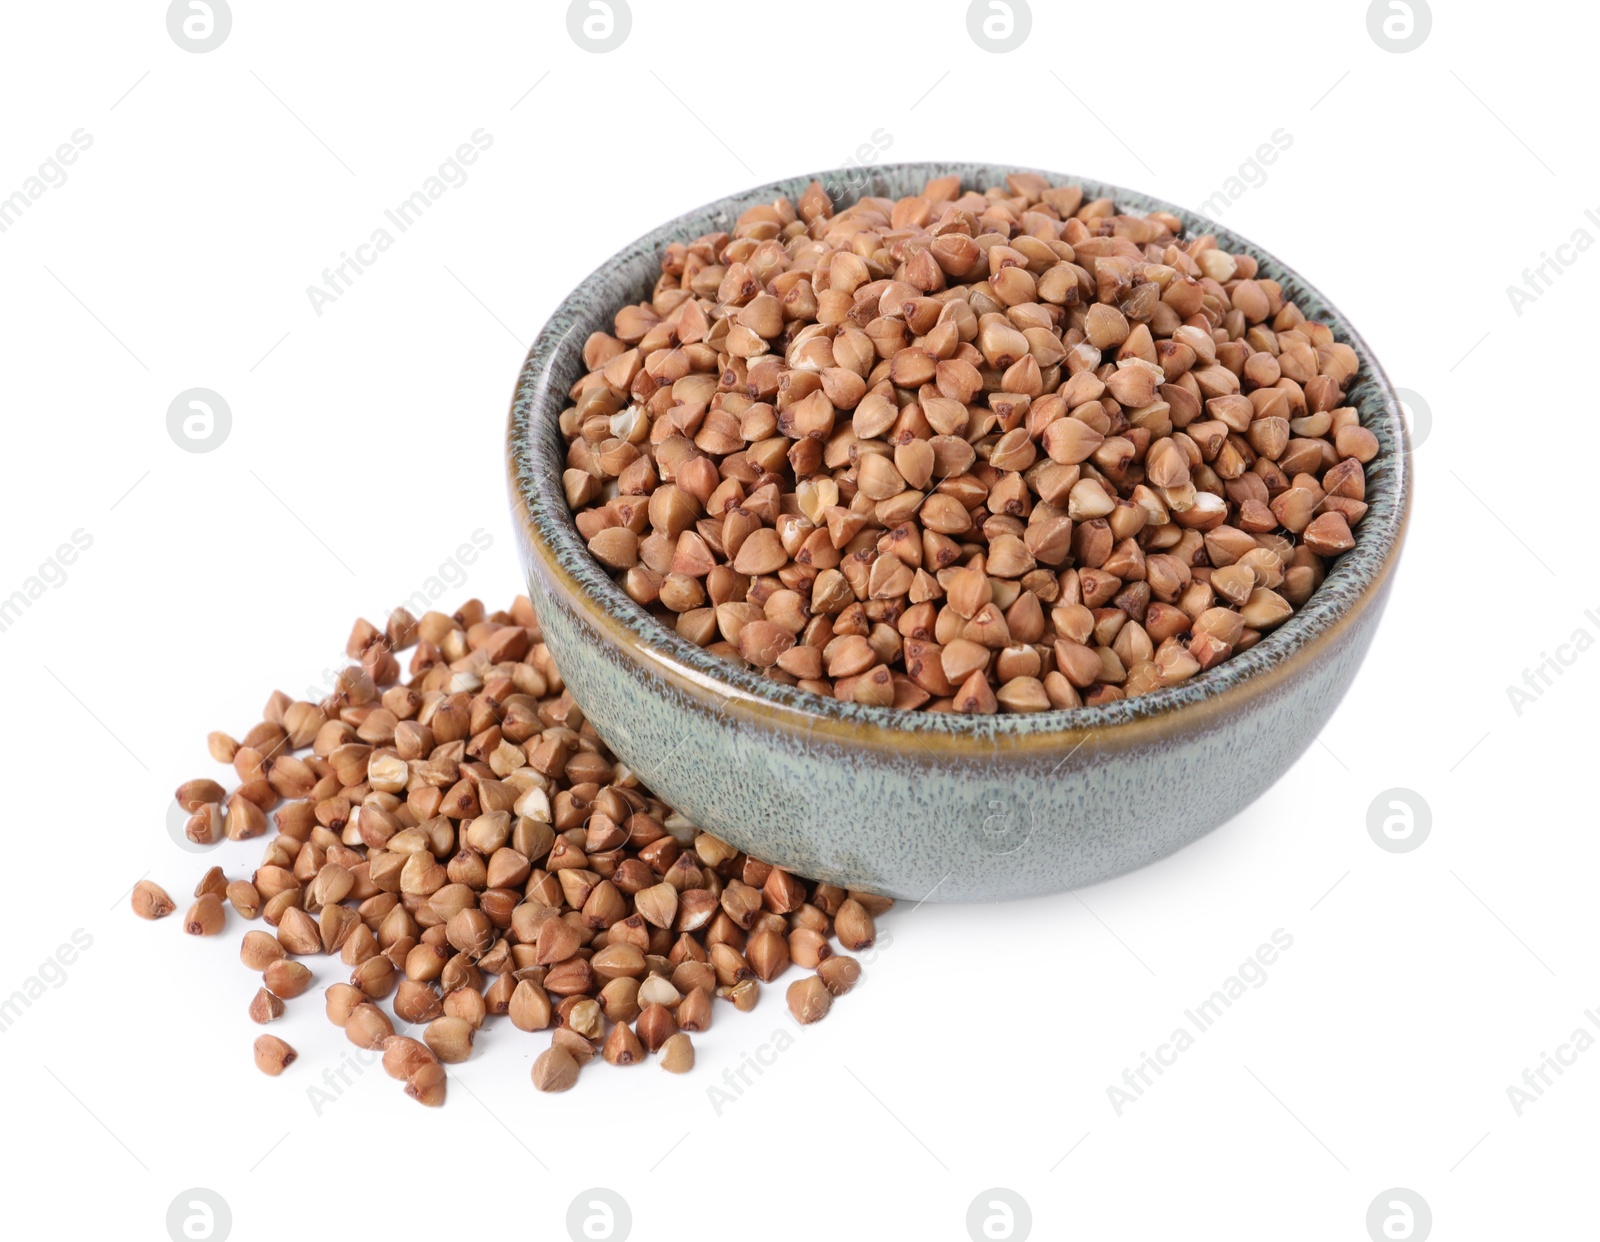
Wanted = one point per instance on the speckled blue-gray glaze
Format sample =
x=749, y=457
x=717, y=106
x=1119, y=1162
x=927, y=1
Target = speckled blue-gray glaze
x=919, y=805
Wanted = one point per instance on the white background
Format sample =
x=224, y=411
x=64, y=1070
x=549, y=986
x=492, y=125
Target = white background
x=365, y=448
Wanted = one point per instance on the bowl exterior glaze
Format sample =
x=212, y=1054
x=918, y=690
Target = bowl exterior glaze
x=928, y=806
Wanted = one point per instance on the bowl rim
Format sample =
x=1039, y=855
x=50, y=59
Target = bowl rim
x=1356, y=583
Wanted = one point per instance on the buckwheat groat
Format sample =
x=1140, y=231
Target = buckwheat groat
x=966, y=451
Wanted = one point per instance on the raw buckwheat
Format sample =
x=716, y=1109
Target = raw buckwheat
x=966, y=451
x=462, y=839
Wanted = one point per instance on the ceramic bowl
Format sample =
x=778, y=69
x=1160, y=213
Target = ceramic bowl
x=932, y=806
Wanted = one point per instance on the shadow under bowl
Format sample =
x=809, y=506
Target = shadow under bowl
x=918, y=805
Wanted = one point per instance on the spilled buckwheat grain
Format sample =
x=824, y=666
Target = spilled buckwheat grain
x=962, y=451
x=461, y=839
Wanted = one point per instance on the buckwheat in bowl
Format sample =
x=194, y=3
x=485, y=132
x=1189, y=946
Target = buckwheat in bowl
x=953, y=531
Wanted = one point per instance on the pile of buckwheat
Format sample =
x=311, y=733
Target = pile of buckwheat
x=966, y=451
x=461, y=840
